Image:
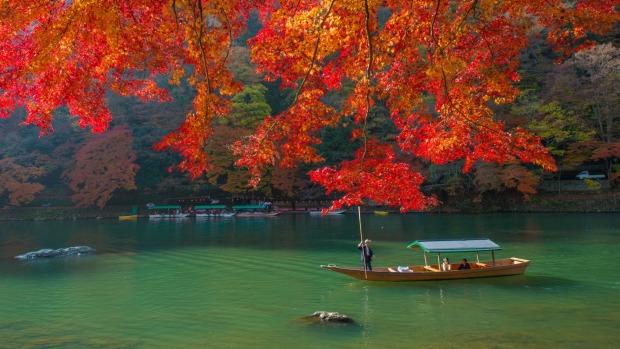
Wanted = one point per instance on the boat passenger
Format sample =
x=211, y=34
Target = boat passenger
x=366, y=253
x=464, y=265
x=446, y=265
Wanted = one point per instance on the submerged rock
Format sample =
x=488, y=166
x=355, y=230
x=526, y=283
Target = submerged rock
x=327, y=316
x=61, y=252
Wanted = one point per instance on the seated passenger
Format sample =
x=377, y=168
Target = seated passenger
x=445, y=266
x=464, y=265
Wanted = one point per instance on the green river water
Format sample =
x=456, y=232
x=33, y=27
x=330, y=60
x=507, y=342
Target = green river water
x=249, y=283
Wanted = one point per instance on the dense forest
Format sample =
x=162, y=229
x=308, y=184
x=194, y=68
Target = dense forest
x=573, y=105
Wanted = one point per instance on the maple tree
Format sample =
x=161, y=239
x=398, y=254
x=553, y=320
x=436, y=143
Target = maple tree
x=598, y=151
x=287, y=182
x=438, y=66
x=609, y=152
x=493, y=177
x=103, y=165
x=16, y=180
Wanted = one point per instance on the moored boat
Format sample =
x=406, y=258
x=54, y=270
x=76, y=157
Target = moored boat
x=427, y=272
x=257, y=214
x=128, y=217
x=330, y=213
x=166, y=211
x=202, y=211
x=262, y=210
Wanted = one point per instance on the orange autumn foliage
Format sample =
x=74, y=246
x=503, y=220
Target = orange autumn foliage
x=15, y=181
x=439, y=66
x=103, y=165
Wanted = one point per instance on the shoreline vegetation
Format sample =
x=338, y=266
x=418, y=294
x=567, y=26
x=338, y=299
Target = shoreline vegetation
x=541, y=203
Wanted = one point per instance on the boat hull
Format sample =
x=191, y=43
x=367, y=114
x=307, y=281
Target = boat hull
x=169, y=216
x=214, y=215
x=502, y=267
x=330, y=213
x=257, y=214
x=129, y=217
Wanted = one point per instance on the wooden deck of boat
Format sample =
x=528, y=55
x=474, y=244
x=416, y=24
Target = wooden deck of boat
x=502, y=267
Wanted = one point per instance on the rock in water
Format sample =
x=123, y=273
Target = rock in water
x=61, y=252
x=328, y=316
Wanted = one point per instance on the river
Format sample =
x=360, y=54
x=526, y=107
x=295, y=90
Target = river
x=249, y=283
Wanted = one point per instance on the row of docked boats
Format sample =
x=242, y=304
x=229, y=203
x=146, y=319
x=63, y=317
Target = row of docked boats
x=175, y=211
x=205, y=211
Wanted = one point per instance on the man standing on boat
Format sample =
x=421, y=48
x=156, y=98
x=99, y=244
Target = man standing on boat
x=366, y=254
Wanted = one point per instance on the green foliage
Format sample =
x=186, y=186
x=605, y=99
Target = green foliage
x=335, y=145
x=249, y=107
x=277, y=98
x=592, y=184
x=589, y=84
x=379, y=123
x=537, y=60
x=558, y=127
x=455, y=185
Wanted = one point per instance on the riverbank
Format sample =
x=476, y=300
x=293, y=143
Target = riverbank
x=570, y=202
x=567, y=203
x=61, y=213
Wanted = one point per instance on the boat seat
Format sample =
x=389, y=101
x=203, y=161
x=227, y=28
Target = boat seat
x=392, y=270
x=431, y=269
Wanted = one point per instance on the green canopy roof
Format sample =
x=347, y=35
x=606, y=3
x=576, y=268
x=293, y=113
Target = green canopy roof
x=166, y=207
x=468, y=245
x=249, y=207
x=209, y=207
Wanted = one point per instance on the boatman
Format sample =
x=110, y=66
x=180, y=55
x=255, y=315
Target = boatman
x=366, y=254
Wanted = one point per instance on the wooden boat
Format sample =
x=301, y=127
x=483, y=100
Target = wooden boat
x=330, y=213
x=257, y=214
x=428, y=272
x=263, y=210
x=129, y=217
x=167, y=211
x=219, y=214
x=203, y=211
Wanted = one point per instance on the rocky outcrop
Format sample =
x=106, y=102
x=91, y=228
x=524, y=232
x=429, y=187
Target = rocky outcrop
x=61, y=252
x=327, y=316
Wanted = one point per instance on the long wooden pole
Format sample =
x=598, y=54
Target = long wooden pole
x=359, y=218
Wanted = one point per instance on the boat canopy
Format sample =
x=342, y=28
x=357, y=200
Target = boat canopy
x=250, y=207
x=467, y=245
x=166, y=207
x=209, y=207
